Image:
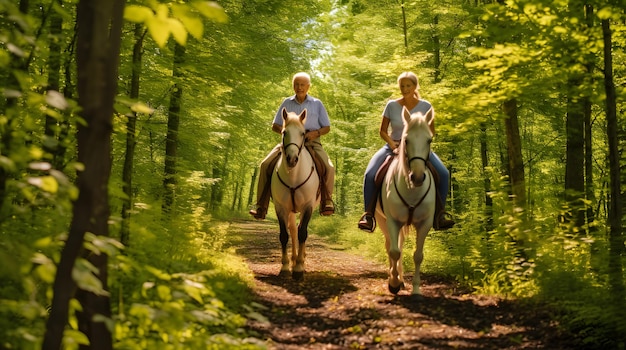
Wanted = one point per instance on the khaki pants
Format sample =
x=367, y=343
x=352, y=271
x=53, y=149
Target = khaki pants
x=269, y=163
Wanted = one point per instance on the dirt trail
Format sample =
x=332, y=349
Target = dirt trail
x=343, y=303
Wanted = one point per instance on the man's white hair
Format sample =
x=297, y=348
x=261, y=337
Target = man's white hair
x=301, y=75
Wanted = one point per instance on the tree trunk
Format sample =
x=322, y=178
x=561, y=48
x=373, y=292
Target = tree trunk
x=252, y=185
x=589, y=186
x=616, y=239
x=404, y=28
x=235, y=195
x=436, y=52
x=129, y=155
x=173, y=122
x=54, y=74
x=575, y=155
x=99, y=36
x=514, y=152
x=488, y=223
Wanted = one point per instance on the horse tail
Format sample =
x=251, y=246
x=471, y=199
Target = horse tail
x=405, y=231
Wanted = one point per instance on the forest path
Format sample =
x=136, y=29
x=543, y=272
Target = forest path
x=343, y=303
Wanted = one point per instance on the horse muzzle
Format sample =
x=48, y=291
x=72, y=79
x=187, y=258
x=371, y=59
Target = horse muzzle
x=292, y=161
x=416, y=180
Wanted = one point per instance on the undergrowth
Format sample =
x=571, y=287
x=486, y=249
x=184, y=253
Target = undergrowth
x=553, y=269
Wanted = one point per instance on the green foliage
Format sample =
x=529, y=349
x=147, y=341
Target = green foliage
x=174, y=284
x=156, y=17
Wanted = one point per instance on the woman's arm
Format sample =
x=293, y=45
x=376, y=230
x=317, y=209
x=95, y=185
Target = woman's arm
x=384, y=133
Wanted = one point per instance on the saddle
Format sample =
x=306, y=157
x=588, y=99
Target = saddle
x=321, y=172
x=380, y=177
x=319, y=167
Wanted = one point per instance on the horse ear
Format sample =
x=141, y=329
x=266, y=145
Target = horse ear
x=284, y=112
x=303, y=116
x=430, y=116
x=406, y=114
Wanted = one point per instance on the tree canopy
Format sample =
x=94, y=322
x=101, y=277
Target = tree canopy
x=131, y=133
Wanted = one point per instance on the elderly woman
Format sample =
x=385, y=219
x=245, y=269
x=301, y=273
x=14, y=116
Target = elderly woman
x=392, y=115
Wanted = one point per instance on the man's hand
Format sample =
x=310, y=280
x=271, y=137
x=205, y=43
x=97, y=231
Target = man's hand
x=311, y=135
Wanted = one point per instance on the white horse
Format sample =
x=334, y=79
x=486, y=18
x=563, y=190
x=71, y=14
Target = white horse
x=408, y=197
x=295, y=185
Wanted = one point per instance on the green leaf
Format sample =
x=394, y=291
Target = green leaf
x=138, y=14
x=178, y=31
x=142, y=108
x=56, y=99
x=46, y=269
x=211, y=10
x=85, y=278
x=164, y=293
x=158, y=273
x=193, y=24
x=46, y=183
x=159, y=30
x=605, y=13
x=72, y=338
x=194, y=292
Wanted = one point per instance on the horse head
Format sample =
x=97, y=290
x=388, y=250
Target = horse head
x=415, y=145
x=293, y=136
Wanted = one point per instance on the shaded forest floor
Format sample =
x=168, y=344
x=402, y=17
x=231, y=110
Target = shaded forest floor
x=343, y=303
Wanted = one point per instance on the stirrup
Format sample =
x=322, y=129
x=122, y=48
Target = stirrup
x=443, y=223
x=367, y=223
x=258, y=213
x=328, y=208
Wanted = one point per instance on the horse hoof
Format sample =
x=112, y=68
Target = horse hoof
x=283, y=273
x=395, y=290
x=416, y=298
x=298, y=275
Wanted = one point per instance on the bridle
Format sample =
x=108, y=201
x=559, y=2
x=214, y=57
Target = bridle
x=425, y=160
x=300, y=146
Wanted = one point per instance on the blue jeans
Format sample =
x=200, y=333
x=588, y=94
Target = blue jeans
x=369, y=185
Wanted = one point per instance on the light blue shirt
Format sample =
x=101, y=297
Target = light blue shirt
x=393, y=112
x=316, y=115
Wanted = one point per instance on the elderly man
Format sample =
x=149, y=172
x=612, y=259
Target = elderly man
x=317, y=124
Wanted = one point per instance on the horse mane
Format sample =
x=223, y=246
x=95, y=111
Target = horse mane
x=291, y=118
x=417, y=120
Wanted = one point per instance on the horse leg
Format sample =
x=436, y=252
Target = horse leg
x=293, y=229
x=418, y=257
x=395, y=256
x=303, y=234
x=402, y=233
x=284, y=239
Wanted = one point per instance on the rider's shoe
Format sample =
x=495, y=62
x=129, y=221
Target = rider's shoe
x=367, y=223
x=258, y=213
x=328, y=209
x=444, y=223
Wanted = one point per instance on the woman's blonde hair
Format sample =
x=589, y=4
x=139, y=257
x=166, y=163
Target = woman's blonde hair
x=412, y=77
